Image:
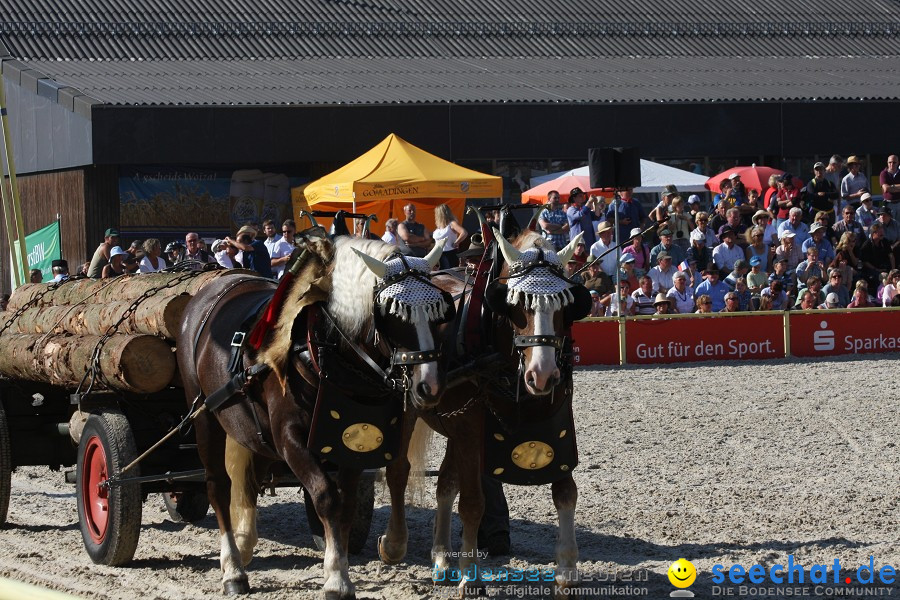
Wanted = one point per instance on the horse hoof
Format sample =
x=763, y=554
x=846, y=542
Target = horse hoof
x=383, y=555
x=238, y=587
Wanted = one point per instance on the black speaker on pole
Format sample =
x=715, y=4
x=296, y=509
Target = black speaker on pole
x=614, y=167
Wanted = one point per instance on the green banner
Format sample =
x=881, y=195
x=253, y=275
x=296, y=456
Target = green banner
x=43, y=247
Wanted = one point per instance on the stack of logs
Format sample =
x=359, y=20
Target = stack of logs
x=53, y=340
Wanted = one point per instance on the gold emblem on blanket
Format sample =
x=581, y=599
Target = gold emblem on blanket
x=532, y=455
x=362, y=437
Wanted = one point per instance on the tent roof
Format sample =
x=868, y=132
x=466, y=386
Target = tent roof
x=398, y=170
x=654, y=178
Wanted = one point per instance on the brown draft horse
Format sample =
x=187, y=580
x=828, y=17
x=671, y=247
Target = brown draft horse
x=533, y=311
x=241, y=440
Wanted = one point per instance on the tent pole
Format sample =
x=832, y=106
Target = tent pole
x=21, y=276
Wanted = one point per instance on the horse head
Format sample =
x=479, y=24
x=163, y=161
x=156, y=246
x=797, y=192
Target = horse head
x=540, y=303
x=408, y=310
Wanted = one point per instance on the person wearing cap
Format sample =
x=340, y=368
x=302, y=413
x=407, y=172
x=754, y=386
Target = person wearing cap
x=740, y=270
x=663, y=273
x=622, y=301
x=173, y=251
x=639, y=250
x=890, y=225
x=834, y=172
x=694, y=207
x=831, y=301
x=865, y=213
x=727, y=196
x=580, y=215
x=728, y=252
x=681, y=295
x=740, y=190
x=60, y=270
x=195, y=253
x=817, y=238
x=643, y=296
x=835, y=286
x=604, y=243
x=596, y=279
x=662, y=305
x=102, y=253
x=152, y=260
x=631, y=214
x=890, y=182
x=626, y=271
x=848, y=223
x=820, y=192
x=780, y=273
x=676, y=253
x=662, y=210
x=795, y=225
x=855, y=183
x=114, y=267
x=790, y=250
x=699, y=253
x=554, y=222
x=254, y=255
x=757, y=278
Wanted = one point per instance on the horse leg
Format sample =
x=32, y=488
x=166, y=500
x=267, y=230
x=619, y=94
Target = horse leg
x=244, y=494
x=447, y=488
x=565, y=496
x=348, y=482
x=392, y=545
x=471, y=510
x=211, y=447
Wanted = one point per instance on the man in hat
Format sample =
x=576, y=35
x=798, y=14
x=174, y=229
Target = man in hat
x=866, y=213
x=890, y=225
x=890, y=182
x=60, y=270
x=631, y=214
x=831, y=301
x=738, y=189
x=663, y=273
x=580, y=215
x=102, y=253
x=820, y=192
x=554, y=222
x=254, y=254
x=665, y=245
x=817, y=238
x=661, y=210
x=728, y=252
x=855, y=183
x=795, y=225
x=740, y=270
x=762, y=218
x=604, y=243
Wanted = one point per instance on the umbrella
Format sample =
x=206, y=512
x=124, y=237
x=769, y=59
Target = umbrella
x=538, y=194
x=753, y=177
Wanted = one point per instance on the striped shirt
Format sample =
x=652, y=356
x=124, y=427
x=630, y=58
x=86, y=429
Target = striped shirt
x=555, y=217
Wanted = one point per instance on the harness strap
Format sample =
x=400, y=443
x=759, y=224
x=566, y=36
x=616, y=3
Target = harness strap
x=365, y=357
x=530, y=341
x=403, y=357
x=235, y=386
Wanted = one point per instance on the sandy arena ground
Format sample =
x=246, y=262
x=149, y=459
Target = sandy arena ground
x=720, y=464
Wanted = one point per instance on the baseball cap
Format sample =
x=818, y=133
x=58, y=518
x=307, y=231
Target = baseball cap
x=116, y=251
x=662, y=255
x=595, y=293
x=832, y=299
x=755, y=261
x=634, y=232
x=667, y=232
x=627, y=258
x=783, y=259
x=816, y=227
x=111, y=231
x=864, y=197
x=885, y=210
x=819, y=165
x=693, y=199
x=726, y=230
x=787, y=178
x=734, y=175
x=740, y=263
x=575, y=191
x=697, y=236
x=787, y=234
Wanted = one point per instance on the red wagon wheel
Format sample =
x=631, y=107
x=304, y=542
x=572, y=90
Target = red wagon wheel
x=5, y=467
x=109, y=516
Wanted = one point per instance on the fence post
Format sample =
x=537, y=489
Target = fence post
x=787, y=334
x=622, y=358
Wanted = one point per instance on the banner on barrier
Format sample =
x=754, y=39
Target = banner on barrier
x=688, y=340
x=596, y=342
x=830, y=333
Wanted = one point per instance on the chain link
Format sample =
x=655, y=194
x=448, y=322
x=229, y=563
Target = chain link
x=50, y=287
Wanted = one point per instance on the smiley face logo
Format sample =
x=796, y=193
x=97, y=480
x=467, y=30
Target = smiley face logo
x=682, y=573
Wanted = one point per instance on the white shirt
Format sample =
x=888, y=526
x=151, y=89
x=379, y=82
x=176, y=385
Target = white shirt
x=448, y=235
x=613, y=307
x=609, y=262
x=223, y=259
x=684, y=301
x=725, y=257
x=277, y=248
x=887, y=294
x=147, y=267
x=662, y=279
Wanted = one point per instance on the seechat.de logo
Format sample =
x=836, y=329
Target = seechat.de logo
x=682, y=574
x=823, y=341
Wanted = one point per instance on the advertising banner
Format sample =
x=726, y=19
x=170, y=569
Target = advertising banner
x=845, y=332
x=718, y=338
x=596, y=342
x=43, y=247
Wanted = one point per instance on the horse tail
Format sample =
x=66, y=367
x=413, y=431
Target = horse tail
x=419, y=444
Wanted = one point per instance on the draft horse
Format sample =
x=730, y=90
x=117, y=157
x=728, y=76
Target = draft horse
x=511, y=417
x=270, y=413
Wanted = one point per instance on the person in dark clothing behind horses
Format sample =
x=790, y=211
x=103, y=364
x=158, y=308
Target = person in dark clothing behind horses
x=414, y=234
x=255, y=256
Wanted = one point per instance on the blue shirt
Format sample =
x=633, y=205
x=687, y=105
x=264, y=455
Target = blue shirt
x=716, y=293
x=627, y=210
x=801, y=232
x=580, y=221
x=826, y=250
x=259, y=259
x=555, y=217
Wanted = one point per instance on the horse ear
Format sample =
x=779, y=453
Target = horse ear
x=495, y=298
x=580, y=307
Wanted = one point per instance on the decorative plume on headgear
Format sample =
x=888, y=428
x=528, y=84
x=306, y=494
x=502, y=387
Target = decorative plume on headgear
x=541, y=288
x=410, y=298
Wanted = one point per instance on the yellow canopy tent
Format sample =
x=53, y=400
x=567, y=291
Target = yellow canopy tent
x=390, y=175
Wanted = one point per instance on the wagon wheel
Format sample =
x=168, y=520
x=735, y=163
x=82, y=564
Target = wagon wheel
x=186, y=507
x=110, y=517
x=362, y=518
x=5, y=466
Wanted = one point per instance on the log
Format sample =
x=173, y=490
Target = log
x=126, y=287
x=160, y=316
x=141, y=364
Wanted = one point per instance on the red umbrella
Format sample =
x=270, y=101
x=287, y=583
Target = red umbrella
x=538, y=194
x=753, y=177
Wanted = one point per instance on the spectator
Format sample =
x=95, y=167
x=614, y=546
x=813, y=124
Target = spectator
x=846, y=257
x=643, y=296
x=789, y=250
x=254, y=255
x=35, y=276
x=152, y=261
x=740, y=269
x=749, y=210
x=623, y=299
x=102, y=253
x=756, y=246
x=782, y=274
x=662, y=305
x=713, y=288
x=661, y=211
x=727, y=197
x=173, y=252
x=820, y=192
x=60, y=270
x=580, y=254
x=890, y=183
x=631, y=216
x=770, y=198
x=718, y=220
x=554, y=223
x=627, y=273
x=414, y=234
x=855, y=183
x=806, y=301
x=698, y=253
x=114, y=267
x=680, y=224
x=4, y=302
x=733, y=220
x=727, y=253
x=834, y=173
x=226, y=254
x=597, y=309
x=596, y=279
x=732, y=303
x=812, y=266
x=694, y=207
x=390, y=232
x=775, y=297
x=279, y=249
x=130, y=263
x=835, y=287
x=740, y=191
x=602, y=247
x=681, y=295
x=136, y=250
x=448, y=229
x=889, y=225
x=818, y=241
x=580, y=215
x=788, y=198
x=666, y=246
x=865, y=214
x=640, y=251
x=194, y=254
x=572, y=271
x=757, y=279
x=289, y=232
x=795, y=225
x=831, y=302
x=704, y=305
x=763, y=219
x=892, y=282
x=849, y=224
x=876, y=256
x=709, y=234
x=825, y=220
x=743, y=294
x=814, y=285
x=861, y=297
x=663, y=273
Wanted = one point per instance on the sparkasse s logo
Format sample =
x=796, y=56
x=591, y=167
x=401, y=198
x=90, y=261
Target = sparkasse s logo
x=823, y=340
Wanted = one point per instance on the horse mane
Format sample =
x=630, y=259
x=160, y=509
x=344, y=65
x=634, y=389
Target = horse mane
x=351, y=302
x=530, y=239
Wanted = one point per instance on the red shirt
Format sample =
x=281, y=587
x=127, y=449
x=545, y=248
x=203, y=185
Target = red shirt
x=787, y=194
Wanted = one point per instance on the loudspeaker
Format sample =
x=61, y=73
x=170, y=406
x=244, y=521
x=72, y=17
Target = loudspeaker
x=614, y=167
